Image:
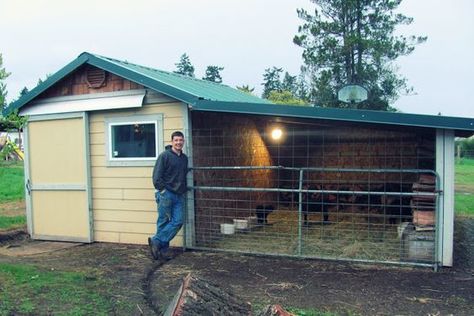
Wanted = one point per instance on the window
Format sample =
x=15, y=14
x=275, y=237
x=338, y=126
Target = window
x=133, y=140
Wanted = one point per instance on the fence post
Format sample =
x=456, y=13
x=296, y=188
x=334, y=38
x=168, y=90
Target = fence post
x=300, y=216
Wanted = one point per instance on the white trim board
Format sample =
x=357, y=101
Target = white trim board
x=445, y=219
x=156, y=119
x=87, y=102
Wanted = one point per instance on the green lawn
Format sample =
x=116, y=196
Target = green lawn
x=464, y=197
x=11, y=189
x=12, y=186
x=11, y=222
x=46, y=291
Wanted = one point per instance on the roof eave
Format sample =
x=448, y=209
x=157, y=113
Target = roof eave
x=50, y=81
x=464, y=125
x=86, y=58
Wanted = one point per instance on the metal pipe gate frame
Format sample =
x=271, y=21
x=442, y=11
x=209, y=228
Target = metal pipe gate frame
x=300, y=191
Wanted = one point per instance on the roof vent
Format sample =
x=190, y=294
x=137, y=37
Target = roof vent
x=95, y=77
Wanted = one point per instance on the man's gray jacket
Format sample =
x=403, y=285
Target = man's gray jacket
x=170, y=172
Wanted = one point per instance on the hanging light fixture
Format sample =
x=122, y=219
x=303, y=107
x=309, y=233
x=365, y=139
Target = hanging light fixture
x=277, y=133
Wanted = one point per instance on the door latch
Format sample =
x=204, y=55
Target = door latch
x=28, y=186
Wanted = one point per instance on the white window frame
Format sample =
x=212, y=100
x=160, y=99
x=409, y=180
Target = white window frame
x=156, y=119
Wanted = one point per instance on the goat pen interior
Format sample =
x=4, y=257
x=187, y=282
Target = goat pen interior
x=313, y=188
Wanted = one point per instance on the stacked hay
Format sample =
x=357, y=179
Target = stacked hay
x=228, y=143
x=368, y=148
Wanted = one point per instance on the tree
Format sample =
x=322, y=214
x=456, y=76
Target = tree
x=271, y=81
x=246, y=89
x=285, y=97
x=184, y=66
x=24, y=91
x=213, y=74
x=301, y=89
x=289, y=83
x=13, y=121
x=466, y=147
x=353, y=42
x=289, y=90
x=3, y=87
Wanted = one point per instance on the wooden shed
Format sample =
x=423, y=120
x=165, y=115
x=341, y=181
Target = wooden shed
x=96, y=127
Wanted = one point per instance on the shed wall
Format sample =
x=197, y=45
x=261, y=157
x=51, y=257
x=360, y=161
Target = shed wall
x=123, y=201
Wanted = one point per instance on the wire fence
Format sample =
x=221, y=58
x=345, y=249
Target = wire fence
x=464, y=154
x=339, y=191
x=367, y=219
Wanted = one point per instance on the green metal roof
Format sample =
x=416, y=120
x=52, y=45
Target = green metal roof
x=208, y=96
x=462, y=126
x=183, y=88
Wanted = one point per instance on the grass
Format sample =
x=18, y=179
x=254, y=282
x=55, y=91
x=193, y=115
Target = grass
x=45, y=292
x=12, y=185
x=464, y=197
x=11, y=189
x=11, y=222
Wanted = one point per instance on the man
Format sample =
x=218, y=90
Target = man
x=169, y=180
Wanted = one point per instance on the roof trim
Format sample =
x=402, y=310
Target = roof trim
x=101, y=101
x=463, y=126
x=362, y=116
x=116, y=67
x=79, y=61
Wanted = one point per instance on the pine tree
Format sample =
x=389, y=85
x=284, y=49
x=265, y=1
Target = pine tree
x=271, y=81
x=213, y=74
x=184, y=66
x=353, y=42
x=246, y=89
x=289, y=83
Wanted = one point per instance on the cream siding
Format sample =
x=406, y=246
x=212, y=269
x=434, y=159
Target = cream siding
x=123, y=201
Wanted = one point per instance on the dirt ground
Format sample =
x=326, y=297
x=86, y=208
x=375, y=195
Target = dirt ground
x=12, y=208
x=342, y=288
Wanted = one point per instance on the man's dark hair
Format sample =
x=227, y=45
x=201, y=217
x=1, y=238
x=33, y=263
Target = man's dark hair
x=177, y=133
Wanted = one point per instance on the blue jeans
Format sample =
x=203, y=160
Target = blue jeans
x=170, y=217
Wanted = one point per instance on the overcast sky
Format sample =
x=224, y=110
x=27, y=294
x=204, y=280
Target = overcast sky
x=244, y=36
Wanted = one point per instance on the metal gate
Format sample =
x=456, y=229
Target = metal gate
x=375, y=215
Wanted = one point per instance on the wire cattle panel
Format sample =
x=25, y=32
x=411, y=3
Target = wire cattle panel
x=313, y=188
x=369, y=218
